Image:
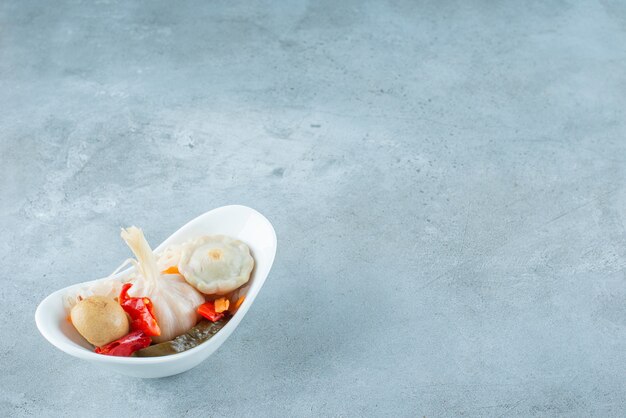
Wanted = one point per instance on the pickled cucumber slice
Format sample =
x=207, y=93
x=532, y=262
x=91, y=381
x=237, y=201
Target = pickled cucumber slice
x=192, y=338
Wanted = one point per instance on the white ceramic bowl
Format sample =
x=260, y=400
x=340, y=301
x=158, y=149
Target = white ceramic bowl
x=240, y=222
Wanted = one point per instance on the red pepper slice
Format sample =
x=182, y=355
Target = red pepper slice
x=141, y=312
x=207, y=310
x=123, y=297
x=126, y=345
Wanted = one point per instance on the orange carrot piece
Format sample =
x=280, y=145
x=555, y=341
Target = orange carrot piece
x=239, y=302
x=171, y=270
x=221, y=304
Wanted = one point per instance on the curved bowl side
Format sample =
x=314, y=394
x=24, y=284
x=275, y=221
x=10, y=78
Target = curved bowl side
x=240, y=222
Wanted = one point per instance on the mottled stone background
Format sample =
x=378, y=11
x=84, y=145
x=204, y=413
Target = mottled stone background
x=446, y=180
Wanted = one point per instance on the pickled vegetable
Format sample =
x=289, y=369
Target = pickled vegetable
x=192, y=338
x=207, y=310
x=140, y=311
x=99, y=320
x=126, y=345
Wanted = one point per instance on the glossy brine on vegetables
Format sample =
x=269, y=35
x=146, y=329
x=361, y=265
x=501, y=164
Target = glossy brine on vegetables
x=156, y=309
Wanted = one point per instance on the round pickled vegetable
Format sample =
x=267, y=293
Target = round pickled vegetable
x=216, y=264
x=100, y=320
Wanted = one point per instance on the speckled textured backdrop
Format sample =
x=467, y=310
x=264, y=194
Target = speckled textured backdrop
x=446, y=180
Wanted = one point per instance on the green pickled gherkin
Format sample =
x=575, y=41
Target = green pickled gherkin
x=192, y=338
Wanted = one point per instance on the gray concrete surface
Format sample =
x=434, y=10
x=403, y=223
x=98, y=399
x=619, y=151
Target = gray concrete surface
x=446, y=180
